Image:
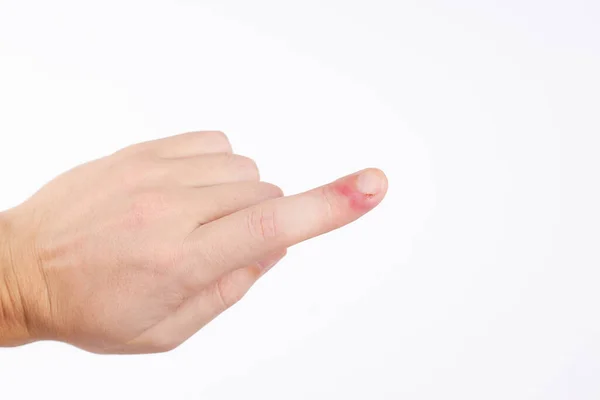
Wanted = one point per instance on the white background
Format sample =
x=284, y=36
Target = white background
x=477, y=277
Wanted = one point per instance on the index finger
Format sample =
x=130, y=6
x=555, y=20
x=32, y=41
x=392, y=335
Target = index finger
x=252, y=233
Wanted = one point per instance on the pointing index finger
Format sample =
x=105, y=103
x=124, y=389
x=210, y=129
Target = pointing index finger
x=250, y=234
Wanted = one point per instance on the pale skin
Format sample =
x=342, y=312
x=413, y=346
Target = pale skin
x=135, y=252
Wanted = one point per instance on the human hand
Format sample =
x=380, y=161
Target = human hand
x=135, y=252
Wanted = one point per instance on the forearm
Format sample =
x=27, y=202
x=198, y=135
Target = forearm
x=13, y=321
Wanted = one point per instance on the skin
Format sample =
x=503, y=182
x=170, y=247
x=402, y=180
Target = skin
x=135, y=252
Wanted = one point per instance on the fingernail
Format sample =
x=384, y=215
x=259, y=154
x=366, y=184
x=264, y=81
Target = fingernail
x=369, y=182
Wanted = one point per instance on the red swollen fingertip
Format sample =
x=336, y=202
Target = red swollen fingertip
x=363, y=189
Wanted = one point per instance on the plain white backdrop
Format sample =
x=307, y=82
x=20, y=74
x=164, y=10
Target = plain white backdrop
x=476, y=278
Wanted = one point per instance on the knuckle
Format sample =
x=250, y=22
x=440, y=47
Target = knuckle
x=219, y=135
x=262, y=223
x=273, y=191
x=245, y=166
x=219, y=138
x=216, y=134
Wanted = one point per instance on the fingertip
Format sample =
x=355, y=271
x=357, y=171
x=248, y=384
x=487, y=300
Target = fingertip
x=371, y=182
x=363, y=189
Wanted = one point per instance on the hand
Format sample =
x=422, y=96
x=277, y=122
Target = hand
x=135, y=252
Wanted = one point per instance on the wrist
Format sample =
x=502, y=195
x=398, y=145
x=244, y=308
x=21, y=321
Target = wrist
x=14, y=324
